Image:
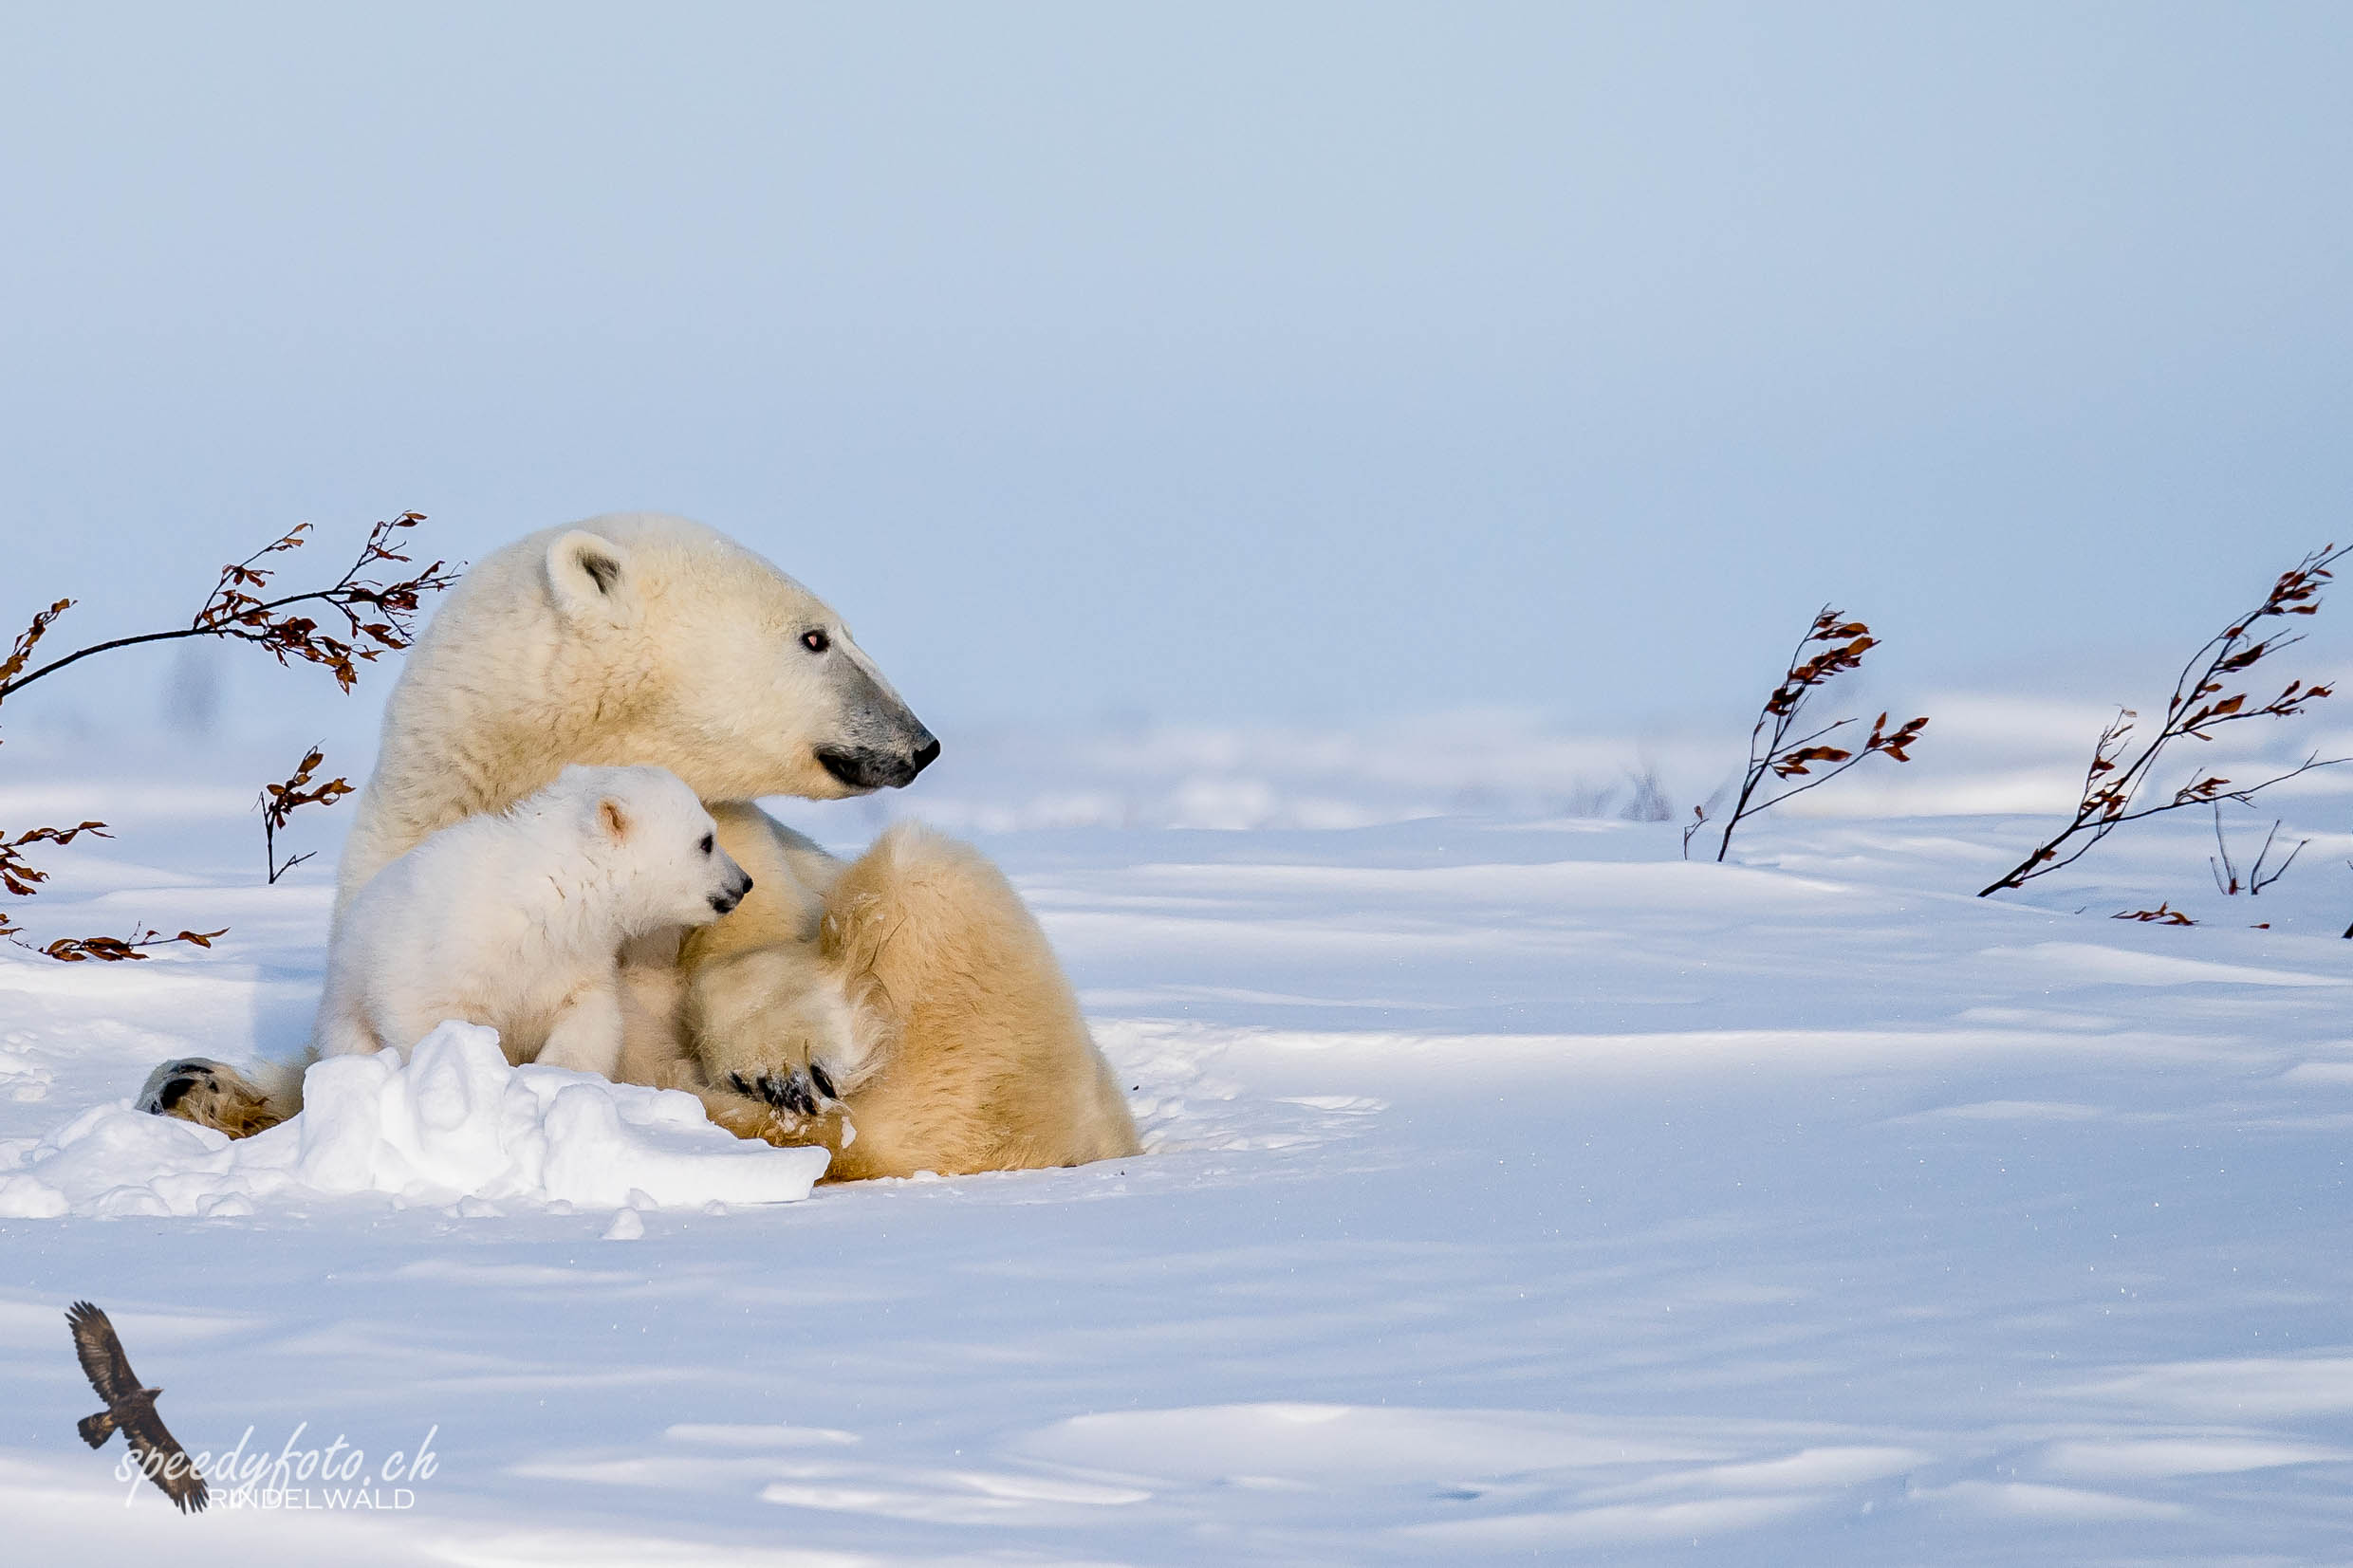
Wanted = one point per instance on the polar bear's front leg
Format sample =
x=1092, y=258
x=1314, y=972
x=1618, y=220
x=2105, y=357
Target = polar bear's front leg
x=587, y=1032
x=777, y=1016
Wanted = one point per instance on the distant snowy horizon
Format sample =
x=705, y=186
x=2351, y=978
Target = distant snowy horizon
x=1984, y=753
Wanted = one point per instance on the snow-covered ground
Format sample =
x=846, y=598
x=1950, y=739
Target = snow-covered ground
x=1517, y=1192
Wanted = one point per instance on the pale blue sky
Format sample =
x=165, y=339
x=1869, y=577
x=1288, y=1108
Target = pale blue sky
x=1260, y=361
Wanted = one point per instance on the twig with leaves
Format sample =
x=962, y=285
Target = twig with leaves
x=23, y=878
x=377, y=618
x=2226, y=871
x=73, y=949
x=278, y=802
x=235, y=610
x=1774, y=748
x=2114, y=779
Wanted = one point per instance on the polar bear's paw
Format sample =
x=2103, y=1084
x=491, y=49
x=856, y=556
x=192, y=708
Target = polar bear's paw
x=805, y=1091
x=787, y=1110
x=211, y=1093
x=773, y=1024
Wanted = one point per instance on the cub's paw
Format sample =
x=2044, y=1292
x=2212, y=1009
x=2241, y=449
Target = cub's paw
x=805, y=1090
x=211, y=1093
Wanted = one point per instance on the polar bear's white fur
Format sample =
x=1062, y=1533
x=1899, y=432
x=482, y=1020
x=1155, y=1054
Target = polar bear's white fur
x=516, y=919
x=908, y=995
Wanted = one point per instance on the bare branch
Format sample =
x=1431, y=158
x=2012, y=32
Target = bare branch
x=2227, y=887
x=2256, y=881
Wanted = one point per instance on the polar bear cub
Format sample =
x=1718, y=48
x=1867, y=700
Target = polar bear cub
x=516, y=920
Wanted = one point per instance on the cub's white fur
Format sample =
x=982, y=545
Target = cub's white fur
x=516, y=920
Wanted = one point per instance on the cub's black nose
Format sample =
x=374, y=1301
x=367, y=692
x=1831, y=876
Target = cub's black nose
x=725, y=902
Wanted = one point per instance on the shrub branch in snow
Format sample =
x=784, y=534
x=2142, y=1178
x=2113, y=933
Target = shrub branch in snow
x=2199, y=707
x=278, y=802
x=377, y=617
x=2227, y=879
x=23, y=878
x=1777, y=750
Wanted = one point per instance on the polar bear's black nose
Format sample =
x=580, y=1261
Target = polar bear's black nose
x=865, y=767
x=725, y=902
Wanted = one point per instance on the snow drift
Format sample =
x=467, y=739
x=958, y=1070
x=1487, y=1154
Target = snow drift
x=456, y=1122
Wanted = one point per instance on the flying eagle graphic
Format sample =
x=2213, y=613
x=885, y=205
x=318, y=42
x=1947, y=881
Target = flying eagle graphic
x=132, y=1409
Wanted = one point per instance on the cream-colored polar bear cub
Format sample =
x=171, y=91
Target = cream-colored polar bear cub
x=517, y=919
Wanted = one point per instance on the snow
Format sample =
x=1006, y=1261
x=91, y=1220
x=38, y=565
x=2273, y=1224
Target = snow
x=454, y=1123
x=1515, y=1192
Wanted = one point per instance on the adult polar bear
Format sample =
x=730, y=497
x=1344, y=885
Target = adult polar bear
x=911, y=982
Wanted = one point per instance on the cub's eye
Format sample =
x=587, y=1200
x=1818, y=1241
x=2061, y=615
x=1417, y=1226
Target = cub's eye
x=816, y=642
x=706, y=844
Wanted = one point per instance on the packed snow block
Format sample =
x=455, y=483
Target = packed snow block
x=105, y=1161
x=456, y=1123
x=601, y=1149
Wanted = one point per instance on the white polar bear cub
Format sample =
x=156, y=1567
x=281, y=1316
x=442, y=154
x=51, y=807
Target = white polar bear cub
x=516, y=920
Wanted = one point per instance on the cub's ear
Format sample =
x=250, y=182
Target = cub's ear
x=614, y=818
x=590, y=578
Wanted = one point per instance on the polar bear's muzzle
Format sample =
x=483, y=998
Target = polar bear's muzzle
x=873, y=768
x=877, y=742
x=724, y=902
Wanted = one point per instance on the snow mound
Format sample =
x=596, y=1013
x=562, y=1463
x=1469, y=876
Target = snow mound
x=454, y=1123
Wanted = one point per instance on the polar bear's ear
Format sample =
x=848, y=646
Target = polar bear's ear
x=613, y=818
x=590, y=576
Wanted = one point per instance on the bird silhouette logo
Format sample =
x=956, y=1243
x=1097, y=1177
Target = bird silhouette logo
x=130, y=1409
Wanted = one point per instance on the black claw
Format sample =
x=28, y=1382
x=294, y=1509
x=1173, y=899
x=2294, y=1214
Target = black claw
x=785, y=1091
x=823, y=1082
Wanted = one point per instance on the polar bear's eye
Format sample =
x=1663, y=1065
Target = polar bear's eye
x=816, y=642
x=706, y=844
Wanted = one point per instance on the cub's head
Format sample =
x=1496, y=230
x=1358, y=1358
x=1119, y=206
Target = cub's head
x=721, y=668
x=659, y=846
